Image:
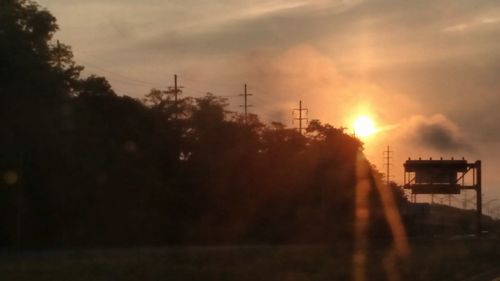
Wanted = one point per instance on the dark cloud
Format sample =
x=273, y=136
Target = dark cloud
x=438, y=133
x=439, y=137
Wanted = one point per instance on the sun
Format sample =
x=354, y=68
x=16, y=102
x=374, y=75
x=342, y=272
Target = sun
x=364, y=126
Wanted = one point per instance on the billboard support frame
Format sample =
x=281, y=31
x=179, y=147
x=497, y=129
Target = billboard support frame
x=430, y=180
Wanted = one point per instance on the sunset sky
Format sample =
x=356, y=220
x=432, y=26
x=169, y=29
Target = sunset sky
x=427, y=71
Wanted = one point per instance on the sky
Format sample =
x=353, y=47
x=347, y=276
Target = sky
x=427, y=71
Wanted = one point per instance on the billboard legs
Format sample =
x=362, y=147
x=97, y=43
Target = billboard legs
x=479, y=204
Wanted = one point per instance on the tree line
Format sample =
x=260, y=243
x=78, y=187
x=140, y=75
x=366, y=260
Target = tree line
x=84, y=167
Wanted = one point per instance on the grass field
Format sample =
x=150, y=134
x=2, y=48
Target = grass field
x=438, y=260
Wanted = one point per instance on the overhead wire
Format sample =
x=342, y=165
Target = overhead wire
x=227, y=87
x=121, y=76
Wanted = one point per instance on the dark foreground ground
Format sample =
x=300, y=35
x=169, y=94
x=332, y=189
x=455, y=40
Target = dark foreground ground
x=443, y=259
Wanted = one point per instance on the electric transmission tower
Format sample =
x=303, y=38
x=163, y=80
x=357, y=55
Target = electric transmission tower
x=387, y=163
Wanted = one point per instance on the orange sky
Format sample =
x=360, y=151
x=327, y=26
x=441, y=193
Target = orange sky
x=425, y=71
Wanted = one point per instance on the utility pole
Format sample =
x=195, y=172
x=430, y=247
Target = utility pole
x=300, y=109
x=246, y=105
x=176, y=90
x=387, y=162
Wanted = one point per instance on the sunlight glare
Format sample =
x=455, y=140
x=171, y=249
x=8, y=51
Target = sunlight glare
x=364, y=126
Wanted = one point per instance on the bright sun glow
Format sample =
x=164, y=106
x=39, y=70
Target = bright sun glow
x=364, y=126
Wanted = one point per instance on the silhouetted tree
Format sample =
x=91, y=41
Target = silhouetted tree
x=95, y=86
x=100, y=169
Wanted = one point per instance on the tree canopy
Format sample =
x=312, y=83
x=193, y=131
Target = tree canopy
x=93, y=168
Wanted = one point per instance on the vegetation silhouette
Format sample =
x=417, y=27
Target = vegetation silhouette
x=85, y=167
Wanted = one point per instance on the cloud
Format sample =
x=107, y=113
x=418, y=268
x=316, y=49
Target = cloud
x=384, y=52
x=472, y=24
x=437, y=133
x=280, y=78
x=458, y=27
x=391, y=58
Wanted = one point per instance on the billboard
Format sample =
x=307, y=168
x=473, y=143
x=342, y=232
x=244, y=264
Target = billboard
x=434, y=176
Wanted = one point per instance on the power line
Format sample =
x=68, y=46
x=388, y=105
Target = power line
x=129, y=79
x=229, y=96
x=117, y=76
x=113, y=75
x=300, y=109
x=124, y=78
x=211, y=82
